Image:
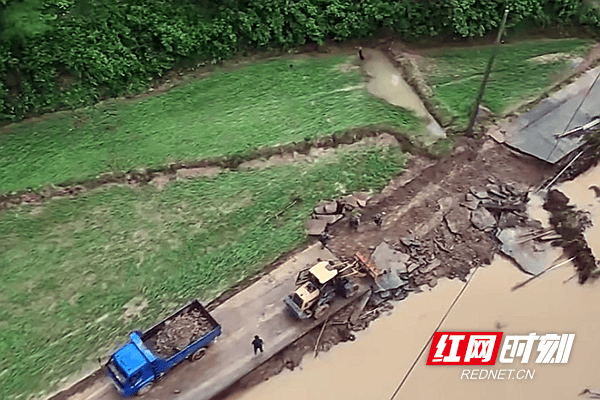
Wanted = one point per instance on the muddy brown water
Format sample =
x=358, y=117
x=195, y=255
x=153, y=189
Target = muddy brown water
x=388, y=84
x=584, y=198
x=373, y=365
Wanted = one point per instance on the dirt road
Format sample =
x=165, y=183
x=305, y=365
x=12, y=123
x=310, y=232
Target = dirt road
x=257, y=310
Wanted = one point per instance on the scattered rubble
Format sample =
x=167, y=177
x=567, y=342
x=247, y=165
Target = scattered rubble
x=532, y=255
x=329, y=212
x=482, y=219
x=387, y=258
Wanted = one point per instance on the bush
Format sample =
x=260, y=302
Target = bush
x=68, y=53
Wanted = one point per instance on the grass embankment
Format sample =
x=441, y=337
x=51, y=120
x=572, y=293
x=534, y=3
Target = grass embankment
x=517, y=76
x=68, y=267
x=230, y=113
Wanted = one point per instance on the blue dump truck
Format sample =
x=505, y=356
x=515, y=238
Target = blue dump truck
x=148, y=355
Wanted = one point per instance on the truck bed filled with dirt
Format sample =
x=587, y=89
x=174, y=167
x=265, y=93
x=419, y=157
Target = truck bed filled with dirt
x=179, y=330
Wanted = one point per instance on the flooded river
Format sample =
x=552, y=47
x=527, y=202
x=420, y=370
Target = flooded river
x=585, y=198
x=372, y=367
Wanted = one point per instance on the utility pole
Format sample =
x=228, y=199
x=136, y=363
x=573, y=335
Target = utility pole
x=486, y=75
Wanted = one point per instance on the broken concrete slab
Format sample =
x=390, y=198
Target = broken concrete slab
x=320, y=208
x=536, y=131
x=504, y=206
x=412, y=267
x=482, y=219
x=351, y=201
x=400, y=294
x=386, y=258
x=375, y=299
x=360, y=306
x=480, y=193
x=509, y=220
x=471, y=202
x=314, y=227
x=362, y=198
x=327, y=207
x=457, y=220
x=430, y=266
x=532, y=257
x=330, y=219
x=331, y=208
x=409, y=240
x=389, y=280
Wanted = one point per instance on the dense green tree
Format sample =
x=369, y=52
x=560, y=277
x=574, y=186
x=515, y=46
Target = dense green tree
x=67, y=53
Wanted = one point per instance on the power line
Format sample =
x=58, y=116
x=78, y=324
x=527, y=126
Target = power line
x=431, y=337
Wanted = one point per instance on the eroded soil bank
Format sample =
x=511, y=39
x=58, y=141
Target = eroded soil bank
x=412, y=205
x=373, y=366
x=376, y=362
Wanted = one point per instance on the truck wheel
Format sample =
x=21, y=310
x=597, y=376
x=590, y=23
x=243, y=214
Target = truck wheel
x=320, y=311
x=145, y=389
x=198, y=354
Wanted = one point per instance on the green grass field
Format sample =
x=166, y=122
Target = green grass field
x=455, y=74
x=68, y=267
x=228, y=113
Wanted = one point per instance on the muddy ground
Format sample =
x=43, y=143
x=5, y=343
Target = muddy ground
x=410, y=204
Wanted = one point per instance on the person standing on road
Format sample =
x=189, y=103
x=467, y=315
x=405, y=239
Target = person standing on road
x=258, y=344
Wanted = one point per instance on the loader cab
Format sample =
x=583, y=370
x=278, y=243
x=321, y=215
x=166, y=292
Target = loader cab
x=321, y=274
x=307, y=294
x=130, y=368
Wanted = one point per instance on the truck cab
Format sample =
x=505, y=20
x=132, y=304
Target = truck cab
x=131, y=366
x=142, y=360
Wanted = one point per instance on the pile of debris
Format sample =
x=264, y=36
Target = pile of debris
x=328, y=213
x=496, y=205
x=180, y=332
x=422, y=265
x=392, y=280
